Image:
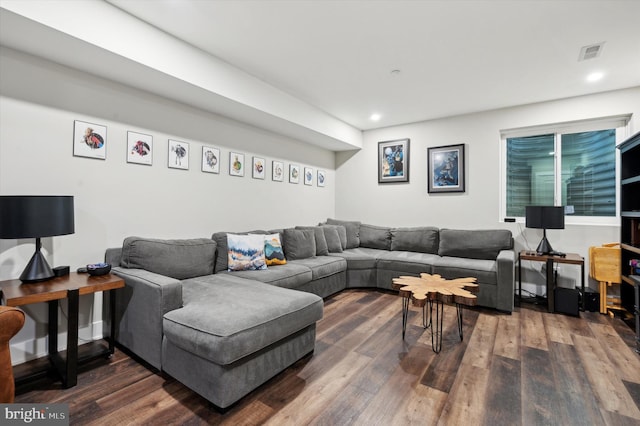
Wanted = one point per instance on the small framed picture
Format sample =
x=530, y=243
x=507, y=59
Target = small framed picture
x=89, y=140
x=393, y=161
x=178, y=155
x=277, y=171
x=236, y=164
x=139, y=148
x=446, y=168
x=294, y=173
x=210, y=159
x=308, y=176
x=322, y=175
x=258, y=170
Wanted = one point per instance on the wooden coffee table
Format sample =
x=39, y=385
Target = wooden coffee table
x=428, y=289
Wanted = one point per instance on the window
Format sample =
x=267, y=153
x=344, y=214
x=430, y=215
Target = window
x=571, y=165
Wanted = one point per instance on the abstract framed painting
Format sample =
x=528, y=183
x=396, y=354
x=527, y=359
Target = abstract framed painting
x=393, y=161
x=308, y=176
x=277, y=171
x=259, y=168
x=139, y=148
x=236, y=164
x=445, y=170
x=210, y=159
x=178, y=155
x=89, y=140
x=322, y=176
x=294, y=173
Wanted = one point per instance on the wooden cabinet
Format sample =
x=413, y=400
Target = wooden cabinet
x=629, y=217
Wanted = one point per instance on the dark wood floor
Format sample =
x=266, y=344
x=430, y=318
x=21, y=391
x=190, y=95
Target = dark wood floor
x=530, y=368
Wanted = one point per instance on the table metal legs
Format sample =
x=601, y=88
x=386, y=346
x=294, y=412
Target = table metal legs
x=427, y=320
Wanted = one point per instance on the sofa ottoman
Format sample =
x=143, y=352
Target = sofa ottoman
x=234, y=334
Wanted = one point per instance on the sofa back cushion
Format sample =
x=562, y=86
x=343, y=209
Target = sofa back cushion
x=299, y=243
x=353, y=231
x=474, y=244
x=376, y=237
x=322, y=249
x=333, y=238
x=422, y=239
x=223, y=249
x=179, y=259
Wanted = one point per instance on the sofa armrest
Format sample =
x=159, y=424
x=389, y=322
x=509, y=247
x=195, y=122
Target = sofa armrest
x=140, y=308
x=506, y=262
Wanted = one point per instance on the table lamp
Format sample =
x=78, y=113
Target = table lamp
x=36, y=216
x=545, y=217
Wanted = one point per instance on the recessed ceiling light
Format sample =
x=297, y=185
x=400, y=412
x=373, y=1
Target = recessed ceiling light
x=594, y=76
x=375, y=117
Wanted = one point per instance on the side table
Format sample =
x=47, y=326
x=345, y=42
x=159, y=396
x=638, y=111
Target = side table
x=570, y=258
x=70, y=287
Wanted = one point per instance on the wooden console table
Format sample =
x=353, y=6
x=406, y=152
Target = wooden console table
x=569, y=258
x=70, y=287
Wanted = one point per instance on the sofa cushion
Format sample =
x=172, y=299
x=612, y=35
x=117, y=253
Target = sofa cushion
x=273, y=251
x=407, y=261
x=221, y=241
x=245, y=252
x=322, y=249
x=299, y=243
x=323, y=266
x=226, y=318
x=360, y=258
x=288, y=276
x=474, y=244
x=455, y=267
x=376, y=237
x=353, y=231
x=179, y=259
x=336, y=237
x=422, y=239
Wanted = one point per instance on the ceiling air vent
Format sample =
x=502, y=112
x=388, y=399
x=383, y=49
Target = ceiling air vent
x=591, y=51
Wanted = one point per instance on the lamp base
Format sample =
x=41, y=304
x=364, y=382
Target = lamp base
x=37, y=269
x=544, y=247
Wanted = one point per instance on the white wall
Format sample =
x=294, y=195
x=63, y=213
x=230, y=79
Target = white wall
x=359, y=196
x=39, y=102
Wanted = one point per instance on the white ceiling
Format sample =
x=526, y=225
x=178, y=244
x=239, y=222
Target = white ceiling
x=454, y=57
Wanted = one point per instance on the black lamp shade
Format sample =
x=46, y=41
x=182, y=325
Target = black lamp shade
x=36, y=216
x=544, y=217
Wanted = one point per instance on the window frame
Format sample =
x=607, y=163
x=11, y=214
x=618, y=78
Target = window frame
x=618, y=122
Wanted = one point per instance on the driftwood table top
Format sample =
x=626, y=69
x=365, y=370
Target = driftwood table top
x=434, y=287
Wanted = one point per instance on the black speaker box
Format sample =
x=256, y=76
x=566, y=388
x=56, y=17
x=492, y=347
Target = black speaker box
x=567, y=301
x=591, y=301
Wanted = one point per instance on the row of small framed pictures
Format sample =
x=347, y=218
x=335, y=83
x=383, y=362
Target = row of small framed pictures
x=90, y=140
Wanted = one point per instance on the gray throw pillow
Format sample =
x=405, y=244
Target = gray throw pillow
x=333, y=238
x=342, y=234
x=375, y=237
x=321, y=242
x=353, y=231
x=179, y=259
x=299, y=244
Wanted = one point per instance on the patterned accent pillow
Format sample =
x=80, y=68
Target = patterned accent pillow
x=273, y=252
x=246, y=252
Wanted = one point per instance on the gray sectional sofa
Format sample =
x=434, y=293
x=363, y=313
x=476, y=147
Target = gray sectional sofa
x=224, y=333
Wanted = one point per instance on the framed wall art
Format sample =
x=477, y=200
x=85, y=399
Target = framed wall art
x=178, y=155
x=322, y=176
x=210, y=159
x=139, y=148
x=294, y=173
x=236, y=164
x=89, y=140
x=277, y=171
x=393, y=161
x=446, y=169
x=259, y=168
x=308, y=176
